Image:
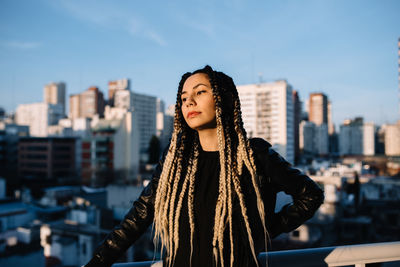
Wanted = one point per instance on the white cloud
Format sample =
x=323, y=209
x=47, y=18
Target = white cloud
x=156, y=38
x=109, y=16
x=199, y=20
x=134, y=25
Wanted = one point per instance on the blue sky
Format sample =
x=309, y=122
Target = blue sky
x=346, y=49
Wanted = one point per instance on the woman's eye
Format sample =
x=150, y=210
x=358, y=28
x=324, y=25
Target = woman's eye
x=183, y=99
x=199, y=92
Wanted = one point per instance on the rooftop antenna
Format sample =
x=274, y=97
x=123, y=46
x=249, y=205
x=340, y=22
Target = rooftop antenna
x=252, y=68
x=260, y=78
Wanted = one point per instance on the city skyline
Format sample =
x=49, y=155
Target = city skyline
x=346, y=50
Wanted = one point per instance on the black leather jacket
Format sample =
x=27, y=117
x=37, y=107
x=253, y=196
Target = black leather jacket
x=275, y=174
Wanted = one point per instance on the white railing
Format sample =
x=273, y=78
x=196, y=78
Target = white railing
x=356, y=255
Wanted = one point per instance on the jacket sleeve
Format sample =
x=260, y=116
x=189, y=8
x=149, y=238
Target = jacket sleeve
x=307, y=195
x=134, y=224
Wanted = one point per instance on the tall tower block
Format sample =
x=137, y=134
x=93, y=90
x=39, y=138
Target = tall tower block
x=54, y=93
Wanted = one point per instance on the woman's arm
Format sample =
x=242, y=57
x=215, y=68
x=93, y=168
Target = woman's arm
x=134, y=224
x=307, y=195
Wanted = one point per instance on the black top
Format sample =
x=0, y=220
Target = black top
x=276, y=175
x=205, y=199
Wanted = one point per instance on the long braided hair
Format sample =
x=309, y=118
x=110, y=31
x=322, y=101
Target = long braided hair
x=180, y=166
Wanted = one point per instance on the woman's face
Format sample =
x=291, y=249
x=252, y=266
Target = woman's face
x=198, y=105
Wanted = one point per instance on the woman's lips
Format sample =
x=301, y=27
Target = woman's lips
x=193, y=114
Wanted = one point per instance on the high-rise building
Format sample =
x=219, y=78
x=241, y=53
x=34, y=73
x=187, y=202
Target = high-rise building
x=74, y=106
x=331, y=127
x=392, y=139
x=111, y=150
x=165, y=123
x=92, y=102
x=54, y=93
x=160, y=111
x=39, y=116
x=145, y=107
x=126, y=145
x=369, y=139
x=357, y=138
x=321, y=139
x=351, y=137
x=320, y=113
x=306, y=137
x=168, y=126
x=267, y=110
x=313, y=138
x=318, y=108
x=87, y=104
x=333, y=142
x=123, y=99
x=297, y=111
x=113, y=86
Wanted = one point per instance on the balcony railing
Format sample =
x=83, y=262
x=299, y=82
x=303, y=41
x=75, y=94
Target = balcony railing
x=356, y=255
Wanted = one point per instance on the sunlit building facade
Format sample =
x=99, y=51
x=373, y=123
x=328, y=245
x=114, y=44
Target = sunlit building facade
x=74, y=106
x=117, y=85
x=123, y=99
x=88, y=104
x=392, y=139
x=320, y=113
x=267, y=111
x=39, y=116
x=369, y=139
x=111, y=150
x=92, y=103
x=318, y=108
x=54, y=93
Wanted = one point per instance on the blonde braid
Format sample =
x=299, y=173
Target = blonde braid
x=171, y=205
x=219, y=226
x=170, y=198
x=159, y=218
x=250, y=164
x=191, y=198
x=179, y=207
x=239, y=193
x=230, y=198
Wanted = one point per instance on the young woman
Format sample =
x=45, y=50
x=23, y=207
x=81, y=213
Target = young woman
x=212, y=196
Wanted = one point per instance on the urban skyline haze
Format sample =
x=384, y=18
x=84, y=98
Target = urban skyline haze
x=345, y=49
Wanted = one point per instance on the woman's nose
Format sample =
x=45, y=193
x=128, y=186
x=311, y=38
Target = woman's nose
x=190, y=101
